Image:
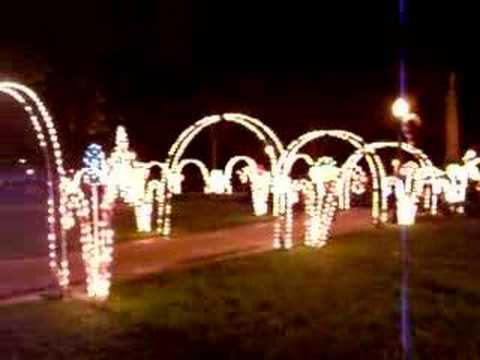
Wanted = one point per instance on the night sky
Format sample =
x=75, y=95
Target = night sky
x=157, y=66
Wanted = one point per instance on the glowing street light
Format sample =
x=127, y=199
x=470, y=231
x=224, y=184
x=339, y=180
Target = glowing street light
x=401, y=108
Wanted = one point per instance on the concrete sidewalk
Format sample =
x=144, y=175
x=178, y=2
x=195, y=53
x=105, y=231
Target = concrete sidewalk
x=138, y=258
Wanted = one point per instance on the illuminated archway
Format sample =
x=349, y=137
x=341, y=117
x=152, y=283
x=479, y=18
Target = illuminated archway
x=48, y=142
x=419, y=155
x=200, y=166
x=305, y=157
x=228, y=172
x=272, y=146
x=282, y=205
x=379, y=212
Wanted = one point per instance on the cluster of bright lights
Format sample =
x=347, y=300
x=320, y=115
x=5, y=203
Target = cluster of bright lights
x=404, y=190
x=127, y=176
x=321, y=201
x=127, y=179
x=251, y=168
x=216, y=182
x=260, y=185
x=154, y=196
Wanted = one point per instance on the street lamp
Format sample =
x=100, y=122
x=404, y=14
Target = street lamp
x=401, y=109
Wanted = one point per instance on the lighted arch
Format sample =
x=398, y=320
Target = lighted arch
x=373, y=160
x=201, y=167
x=418, y=154
x=231, y=165
x=290, y=155
x=273, y=147
x=156, y=164
x=284, y=167
x=307, y=159
x=48, y=141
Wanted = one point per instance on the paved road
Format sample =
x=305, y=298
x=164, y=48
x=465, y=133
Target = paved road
x=138, y=258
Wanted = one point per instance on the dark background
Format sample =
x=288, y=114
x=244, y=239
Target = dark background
x=157, y=66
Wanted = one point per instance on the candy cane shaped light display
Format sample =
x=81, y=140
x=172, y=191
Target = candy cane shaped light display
x=49, y=144
x=283, y=185
x=272, y=148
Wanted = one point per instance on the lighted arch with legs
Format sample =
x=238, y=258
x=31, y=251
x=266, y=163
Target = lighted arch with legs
x=200, y=166
x=273, y=148
x=420, y=157
x=49, y=144
x=228, y=172
x=283, y=184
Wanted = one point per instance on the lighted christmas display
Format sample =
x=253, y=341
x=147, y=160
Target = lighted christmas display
x=86, y=198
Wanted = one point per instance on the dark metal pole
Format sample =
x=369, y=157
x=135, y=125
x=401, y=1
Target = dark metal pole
x=213, y=145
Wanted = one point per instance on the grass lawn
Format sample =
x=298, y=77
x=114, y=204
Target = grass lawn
x=339, y=302
x=194, y=213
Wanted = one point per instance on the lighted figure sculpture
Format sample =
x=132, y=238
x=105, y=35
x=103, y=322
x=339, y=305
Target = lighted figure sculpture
x=217, y=180
x=321, y=200
x=433, y=184
x=128, y=177
x=48, y=141
x=406, y=203
x=251, y=166
x=260, y=181
x=407, y=188
x=260, y=185
x=418, y=155
x=458, y=177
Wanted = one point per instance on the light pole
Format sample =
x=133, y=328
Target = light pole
x=401, y=111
